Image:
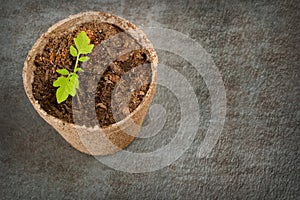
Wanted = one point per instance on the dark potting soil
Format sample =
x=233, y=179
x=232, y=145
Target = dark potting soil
x=116, y=77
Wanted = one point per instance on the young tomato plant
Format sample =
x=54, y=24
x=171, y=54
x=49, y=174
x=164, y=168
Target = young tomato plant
x=68, y=82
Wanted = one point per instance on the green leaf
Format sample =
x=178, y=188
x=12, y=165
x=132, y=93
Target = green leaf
x=74, y=74
x=67, y=86
x=63, y=71
x=75, y=82
x=60, y=81
x=87, y=49
x=82, y=42
x=61, y=94
x=78, y=69
x=84, y=58
x=73, y=51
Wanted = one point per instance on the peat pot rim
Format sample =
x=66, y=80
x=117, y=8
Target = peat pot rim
x=86, y=17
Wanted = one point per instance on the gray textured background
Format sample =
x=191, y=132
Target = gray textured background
x=255, y=45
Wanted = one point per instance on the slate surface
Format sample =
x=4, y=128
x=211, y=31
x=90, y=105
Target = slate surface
x=255, y=46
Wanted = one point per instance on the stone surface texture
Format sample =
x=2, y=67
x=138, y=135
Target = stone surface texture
x=255, y=46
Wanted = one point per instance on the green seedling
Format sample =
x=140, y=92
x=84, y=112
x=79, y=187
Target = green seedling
x=68, y=82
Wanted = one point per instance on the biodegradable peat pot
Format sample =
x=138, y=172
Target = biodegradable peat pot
x=93, y=140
